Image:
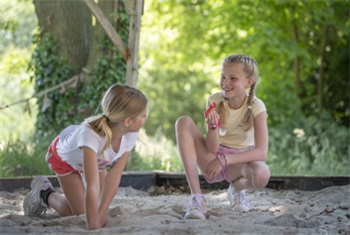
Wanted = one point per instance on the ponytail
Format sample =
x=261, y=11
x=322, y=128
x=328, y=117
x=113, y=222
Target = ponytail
x=100, y=125
x=118, y=103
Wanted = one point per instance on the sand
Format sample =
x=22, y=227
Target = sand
x=159, y=211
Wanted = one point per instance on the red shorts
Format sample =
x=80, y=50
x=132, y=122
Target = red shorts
x=56, y=164
x=223, y=173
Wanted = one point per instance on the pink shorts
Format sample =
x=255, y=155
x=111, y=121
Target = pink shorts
x=56, y=164
x=223, y=173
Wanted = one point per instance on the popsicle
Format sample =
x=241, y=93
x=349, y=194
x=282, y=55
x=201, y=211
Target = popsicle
x=212, y=106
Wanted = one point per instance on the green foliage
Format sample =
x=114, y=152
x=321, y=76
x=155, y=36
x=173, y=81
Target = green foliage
x=57, y=108
x=181, y=47
x=275, y=33
x=64, y=107
x=17, y=22
x=110, y=69
x=176, y=98
x=155, y=153
x=309, y=147
x=16, y=25
x=14, y=85
x=299, y=147
x=19, y=158
x=197, y=35
x=61, y=107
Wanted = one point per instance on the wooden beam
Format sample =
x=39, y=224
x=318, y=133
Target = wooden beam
x=135, y=10
x=106, y=25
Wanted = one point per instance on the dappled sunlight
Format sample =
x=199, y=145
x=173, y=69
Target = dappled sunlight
x=219, y=196
x=242, y=33
x=18, y=119
x=158, y=150
x=279, y=209
x=181, y=47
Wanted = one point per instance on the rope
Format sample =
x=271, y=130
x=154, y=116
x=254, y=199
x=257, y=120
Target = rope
x=71, y=83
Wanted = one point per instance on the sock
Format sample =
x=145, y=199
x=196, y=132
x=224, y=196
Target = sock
x=45, y=195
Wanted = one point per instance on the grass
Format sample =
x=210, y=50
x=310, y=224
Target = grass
x=309, y=149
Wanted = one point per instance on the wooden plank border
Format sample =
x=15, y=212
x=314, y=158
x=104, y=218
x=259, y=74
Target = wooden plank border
x=145, y=180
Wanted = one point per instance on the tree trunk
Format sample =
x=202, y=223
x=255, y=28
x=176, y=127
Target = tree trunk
x=70, y=23
x=84, y=51
x=297, y=60
x=320, y=80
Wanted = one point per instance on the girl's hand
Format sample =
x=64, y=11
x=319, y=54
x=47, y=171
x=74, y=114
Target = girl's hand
x=213, y=169
x=212, y=118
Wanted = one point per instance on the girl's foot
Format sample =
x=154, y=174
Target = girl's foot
x=195, y=207
x=33, y=204
x=238, y=200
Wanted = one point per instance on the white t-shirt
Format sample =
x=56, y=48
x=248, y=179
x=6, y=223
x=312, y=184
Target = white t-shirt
x=231, y=133
x=74, y=137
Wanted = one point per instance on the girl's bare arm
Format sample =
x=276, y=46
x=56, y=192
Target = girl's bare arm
x=92, y=190
x=110, y=187
x=212, y=137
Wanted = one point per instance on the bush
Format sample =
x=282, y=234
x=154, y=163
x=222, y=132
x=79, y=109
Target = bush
x=309, y=147
x=19, y=158
x=299, y=147
x=155, y=153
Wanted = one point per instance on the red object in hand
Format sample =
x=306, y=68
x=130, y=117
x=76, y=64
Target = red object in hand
x=213, y=105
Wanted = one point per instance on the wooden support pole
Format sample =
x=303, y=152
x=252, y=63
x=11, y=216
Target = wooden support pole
x=106, y=25
x=135, y=10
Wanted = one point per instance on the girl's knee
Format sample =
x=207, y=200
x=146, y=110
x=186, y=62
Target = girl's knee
x=261, y=176
x=183, y=122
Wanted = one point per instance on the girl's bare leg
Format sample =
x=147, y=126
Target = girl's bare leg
x=59, y=203
x=250, y=175
x=193, y=151
x=72, y=203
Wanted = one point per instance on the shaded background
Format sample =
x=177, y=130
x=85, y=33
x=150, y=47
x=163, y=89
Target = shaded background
x=302, y=50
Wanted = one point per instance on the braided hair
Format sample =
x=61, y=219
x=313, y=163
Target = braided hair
x=251, y=71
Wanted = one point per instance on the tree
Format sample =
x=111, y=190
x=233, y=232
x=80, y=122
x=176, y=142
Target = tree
x=70, y=43
x=298, y=45
x=16, y=26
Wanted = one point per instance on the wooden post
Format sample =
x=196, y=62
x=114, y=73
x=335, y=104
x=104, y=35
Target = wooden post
x=106, y=25
x=135, y=10
x=130, y=53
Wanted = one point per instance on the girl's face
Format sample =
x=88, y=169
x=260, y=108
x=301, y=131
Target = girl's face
x=234, y=81
x=139, y=121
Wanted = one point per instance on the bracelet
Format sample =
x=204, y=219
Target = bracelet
x=219, y=157
x=226, y=160
x=213, y=127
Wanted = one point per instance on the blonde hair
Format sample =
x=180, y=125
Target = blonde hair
x=119, y=102
x=250, y=68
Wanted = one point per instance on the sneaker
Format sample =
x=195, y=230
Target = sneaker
x=33, y=204
x=195, y=207
x=238, y=200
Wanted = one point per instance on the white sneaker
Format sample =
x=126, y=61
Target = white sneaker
x=33, y=204
x=238, y=200
x=195, y=207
